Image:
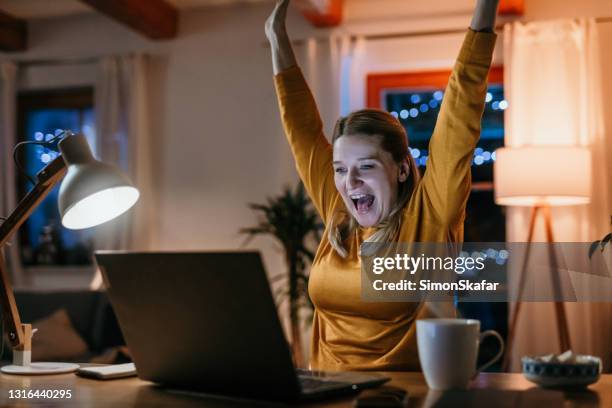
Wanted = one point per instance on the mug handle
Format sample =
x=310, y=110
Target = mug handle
x=483, y=335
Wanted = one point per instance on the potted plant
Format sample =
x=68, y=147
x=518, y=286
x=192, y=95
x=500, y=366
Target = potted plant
x=293, y=222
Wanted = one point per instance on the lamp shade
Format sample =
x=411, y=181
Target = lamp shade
x=92, y=192
x=543, y=175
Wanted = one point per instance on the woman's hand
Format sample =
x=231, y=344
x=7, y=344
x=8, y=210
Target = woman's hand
x=276, y=31
x=484, y=15
x=275, y=24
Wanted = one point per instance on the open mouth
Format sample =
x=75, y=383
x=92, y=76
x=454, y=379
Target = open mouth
x=362, y=202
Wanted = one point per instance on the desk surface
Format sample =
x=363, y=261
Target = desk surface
x=499, y=390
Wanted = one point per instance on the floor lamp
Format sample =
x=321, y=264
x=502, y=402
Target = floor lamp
x=91, y=194
x=540, y=178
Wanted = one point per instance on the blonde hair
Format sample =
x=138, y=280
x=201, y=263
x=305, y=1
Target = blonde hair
x=393, y=139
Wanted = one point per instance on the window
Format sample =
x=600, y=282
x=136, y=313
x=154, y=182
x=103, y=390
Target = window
x=41, y=115
x=415, y=98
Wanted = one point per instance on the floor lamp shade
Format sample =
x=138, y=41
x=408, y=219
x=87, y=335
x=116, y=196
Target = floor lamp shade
x=543, y=175
x=92, y=192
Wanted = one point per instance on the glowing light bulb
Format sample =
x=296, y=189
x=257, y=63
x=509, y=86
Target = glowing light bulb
x=100, y=207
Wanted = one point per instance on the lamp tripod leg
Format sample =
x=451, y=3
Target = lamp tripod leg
x=521, y=288
x=560, y=314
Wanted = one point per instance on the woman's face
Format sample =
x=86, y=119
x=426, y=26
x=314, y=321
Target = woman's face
x=366, y=177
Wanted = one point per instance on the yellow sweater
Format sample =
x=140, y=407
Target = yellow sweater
x=349, y=334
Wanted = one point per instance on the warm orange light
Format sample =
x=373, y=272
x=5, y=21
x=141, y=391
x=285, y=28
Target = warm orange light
x=513, y=7
x=546, y=175
x=326, y=13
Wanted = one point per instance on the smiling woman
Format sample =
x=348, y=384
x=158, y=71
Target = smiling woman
x=366, y=188
x=373, y=173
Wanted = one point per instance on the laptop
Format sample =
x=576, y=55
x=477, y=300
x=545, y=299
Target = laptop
x=207, y=322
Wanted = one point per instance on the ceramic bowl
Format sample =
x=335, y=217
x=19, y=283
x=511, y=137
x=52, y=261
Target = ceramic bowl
x=583, y=371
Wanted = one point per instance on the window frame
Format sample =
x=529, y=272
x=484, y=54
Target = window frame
x=377, y=83
x=79, y=97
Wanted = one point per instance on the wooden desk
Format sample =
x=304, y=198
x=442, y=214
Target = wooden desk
x=497, y=390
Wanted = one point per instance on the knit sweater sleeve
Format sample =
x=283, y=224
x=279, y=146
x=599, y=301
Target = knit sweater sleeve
x=304, y=130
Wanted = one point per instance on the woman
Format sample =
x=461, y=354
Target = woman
x=365, y=185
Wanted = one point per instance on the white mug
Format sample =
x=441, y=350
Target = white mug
x=448, y=349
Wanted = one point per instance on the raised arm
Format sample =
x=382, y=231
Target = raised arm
x=447, y=181
x=300, y=116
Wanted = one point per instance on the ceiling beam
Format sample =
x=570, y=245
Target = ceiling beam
x=13, y=33
x=156, y=19
x=321, y=13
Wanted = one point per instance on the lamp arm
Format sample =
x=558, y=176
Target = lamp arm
x=46, y=179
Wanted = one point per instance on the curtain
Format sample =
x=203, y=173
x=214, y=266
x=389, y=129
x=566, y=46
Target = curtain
x=328, y=66
x=553, y=86
x=123, y=139
x=8, y=188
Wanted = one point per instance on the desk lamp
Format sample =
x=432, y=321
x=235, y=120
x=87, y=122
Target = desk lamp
x=542, y=177
x=91, y=194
